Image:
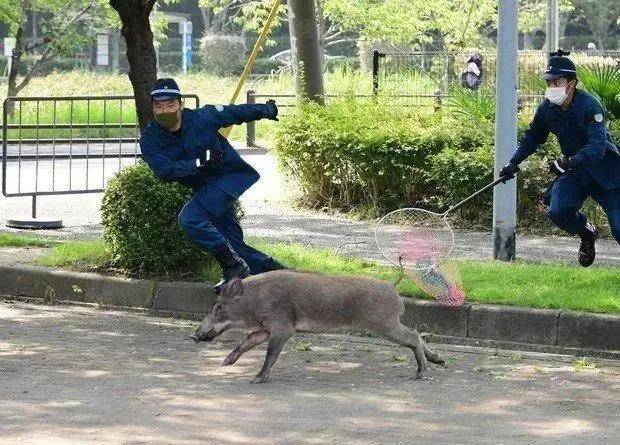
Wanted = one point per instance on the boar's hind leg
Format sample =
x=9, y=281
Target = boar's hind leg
x=410, y=339
x=277, y=341
x=432, y=356
x=252, y=340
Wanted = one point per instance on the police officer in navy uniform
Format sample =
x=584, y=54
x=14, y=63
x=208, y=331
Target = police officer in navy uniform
x=590, y=165
x=185, y=146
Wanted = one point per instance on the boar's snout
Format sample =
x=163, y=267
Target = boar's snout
x=200, y=335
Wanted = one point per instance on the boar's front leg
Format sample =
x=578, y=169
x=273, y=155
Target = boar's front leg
x=251, y=341
x=277, y=341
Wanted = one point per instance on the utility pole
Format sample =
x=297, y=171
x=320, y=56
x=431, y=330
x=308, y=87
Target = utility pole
x=553, y=30
x=505, y=195
x=307, y=55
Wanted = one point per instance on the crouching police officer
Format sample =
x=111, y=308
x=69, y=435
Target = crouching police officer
x=590, y=165
x=185, y=146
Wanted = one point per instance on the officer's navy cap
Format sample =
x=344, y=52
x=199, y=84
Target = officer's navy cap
x=560, y=66
x=165, y=89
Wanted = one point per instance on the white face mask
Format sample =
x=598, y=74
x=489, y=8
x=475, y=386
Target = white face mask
x=473, y=68
x=556, y=95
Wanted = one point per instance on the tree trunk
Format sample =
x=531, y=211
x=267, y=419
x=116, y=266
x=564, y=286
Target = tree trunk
x=306, y=49
x=527, y=40
x=320, y=12
x=15, y=62
x=115, y=35
x=137, y=32
x=599, y=41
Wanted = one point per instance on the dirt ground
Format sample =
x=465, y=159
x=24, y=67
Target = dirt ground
x=88, y=376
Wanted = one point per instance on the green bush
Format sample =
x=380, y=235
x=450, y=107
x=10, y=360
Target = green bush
x=222, y=54
x=604, y=83
x=371, y=158
x=352, y=155
x=473, y=104
x=139, y=214
x=266, y=66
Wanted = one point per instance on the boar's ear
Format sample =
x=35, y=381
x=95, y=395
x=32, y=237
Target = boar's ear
x=234, y=288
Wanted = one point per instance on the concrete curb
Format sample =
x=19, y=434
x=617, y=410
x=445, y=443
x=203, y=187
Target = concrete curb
x=474, y=322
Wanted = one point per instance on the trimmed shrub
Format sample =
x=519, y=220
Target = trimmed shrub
x=139, y=214
x=352, y=155
x=222, y=54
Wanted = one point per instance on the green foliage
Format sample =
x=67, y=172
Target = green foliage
x=14, y=240
x=139, y=215
x=89, y=255
x=222, y=54
x=604, y=83
x=266, y=66
x=478, y=105
x=353, y=154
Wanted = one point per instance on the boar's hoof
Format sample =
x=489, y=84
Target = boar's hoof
x=260, y=379
x=232, y=358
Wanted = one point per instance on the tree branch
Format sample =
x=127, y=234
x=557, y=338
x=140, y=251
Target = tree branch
x=50, y=51
x=335, y=42
x=37, y=44
x=471, y=10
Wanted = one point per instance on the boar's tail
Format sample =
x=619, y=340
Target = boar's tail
x=402, y=271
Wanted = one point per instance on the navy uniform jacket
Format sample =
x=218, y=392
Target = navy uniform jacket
x=174, y=159
x=583, y=137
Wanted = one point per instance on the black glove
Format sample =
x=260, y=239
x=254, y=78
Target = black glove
x=559, y=166
x=210, y=159
x=275, y=108
x=508, y=172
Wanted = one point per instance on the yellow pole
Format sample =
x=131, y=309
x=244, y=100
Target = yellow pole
x=257, y=48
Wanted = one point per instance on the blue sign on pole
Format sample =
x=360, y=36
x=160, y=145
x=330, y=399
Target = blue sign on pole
x=186, y=51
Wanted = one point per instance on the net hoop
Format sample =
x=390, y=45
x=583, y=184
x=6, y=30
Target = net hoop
x=386, y=248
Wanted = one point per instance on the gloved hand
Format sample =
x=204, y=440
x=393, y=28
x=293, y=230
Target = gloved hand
x=559, y=166
x=210, y=159
x=275, y=107
x=508, y=172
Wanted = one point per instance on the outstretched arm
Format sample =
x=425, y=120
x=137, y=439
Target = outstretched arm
x=227, y=115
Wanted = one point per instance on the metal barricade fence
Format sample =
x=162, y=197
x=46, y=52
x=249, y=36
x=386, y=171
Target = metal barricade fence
x=67, y=145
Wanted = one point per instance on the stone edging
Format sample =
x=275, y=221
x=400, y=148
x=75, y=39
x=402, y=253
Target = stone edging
x=506, y=324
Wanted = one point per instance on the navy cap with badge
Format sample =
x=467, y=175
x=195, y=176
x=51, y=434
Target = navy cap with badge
x=165, y=89
x=560, y=66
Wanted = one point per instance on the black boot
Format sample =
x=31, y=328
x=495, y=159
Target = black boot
x=587, y=251
x=273, y=264
x=232, y=265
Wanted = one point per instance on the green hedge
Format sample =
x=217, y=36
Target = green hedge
x=139, y=215
x=222, y=54
x=370, y=158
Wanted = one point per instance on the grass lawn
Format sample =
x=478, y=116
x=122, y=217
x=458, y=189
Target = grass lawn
x=554, y=286
x=12, y=240
x=86, y=255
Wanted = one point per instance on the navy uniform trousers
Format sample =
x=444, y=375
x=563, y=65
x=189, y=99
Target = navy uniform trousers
x=209, y=219
x=566, y=198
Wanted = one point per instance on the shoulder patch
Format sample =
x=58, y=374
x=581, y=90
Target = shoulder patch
x=598, y=117
x=219, y=108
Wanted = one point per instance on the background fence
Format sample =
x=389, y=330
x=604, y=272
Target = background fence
x=415, y=78
x=67, y=145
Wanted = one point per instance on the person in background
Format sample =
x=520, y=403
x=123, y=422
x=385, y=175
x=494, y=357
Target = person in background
x=473, y=75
